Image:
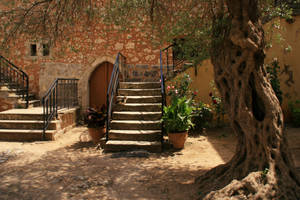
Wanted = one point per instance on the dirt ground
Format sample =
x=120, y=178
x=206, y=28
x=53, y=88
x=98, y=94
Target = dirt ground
x=72, y=168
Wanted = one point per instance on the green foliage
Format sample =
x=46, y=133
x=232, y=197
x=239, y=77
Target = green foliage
x=264, y=173
x=178, y=116
x=180, y=87
x=294, y=108
x=217, y=104
x=202, y=116
x=219, y=31
x=273, y=72
x=270, y=10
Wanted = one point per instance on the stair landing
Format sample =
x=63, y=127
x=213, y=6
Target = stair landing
x=27, y=124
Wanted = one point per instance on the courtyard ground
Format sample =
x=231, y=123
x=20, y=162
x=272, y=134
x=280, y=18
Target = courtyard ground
x=72, y=168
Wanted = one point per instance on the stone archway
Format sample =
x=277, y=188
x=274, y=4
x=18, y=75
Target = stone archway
x=84, y=80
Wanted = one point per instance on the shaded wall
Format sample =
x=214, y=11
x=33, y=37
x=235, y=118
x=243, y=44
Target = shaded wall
x=289, y=62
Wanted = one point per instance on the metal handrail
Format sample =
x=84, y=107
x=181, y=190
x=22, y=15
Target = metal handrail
x=112, y=88
x=175, y=61
x=163, y=93
x=63, y=93
x=14, y=76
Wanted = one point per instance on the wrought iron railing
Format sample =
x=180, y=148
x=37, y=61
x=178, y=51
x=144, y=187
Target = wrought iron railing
x=163, y=93
x=63, y=93
x=15, y=78
x=173, y=63
x=112, y=88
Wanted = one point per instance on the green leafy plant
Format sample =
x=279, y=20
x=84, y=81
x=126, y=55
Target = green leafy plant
x=217, y=105
x=294, y=108
x=178, y=115
x=202, y=116
x=273, y=71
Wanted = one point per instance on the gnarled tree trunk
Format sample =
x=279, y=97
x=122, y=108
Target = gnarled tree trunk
x=262, y=166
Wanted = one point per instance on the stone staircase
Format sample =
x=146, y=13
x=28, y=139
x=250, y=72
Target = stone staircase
x=10, y=94
x=135, y=124
x=24, y=125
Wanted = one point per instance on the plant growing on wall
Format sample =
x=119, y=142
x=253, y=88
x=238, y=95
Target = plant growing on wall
x=273, y=71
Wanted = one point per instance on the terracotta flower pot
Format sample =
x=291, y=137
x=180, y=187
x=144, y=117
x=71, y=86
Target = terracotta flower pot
x=96, y=134
x=178, y=139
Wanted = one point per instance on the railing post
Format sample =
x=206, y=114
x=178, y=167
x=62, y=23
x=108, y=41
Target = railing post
x=57, y=100
x=167, y=61
x=162, y=94
x=107, y=117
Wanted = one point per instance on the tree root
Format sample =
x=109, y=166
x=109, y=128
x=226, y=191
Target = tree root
x=257, y=185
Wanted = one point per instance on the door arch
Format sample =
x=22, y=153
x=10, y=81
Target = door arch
x=98, y=84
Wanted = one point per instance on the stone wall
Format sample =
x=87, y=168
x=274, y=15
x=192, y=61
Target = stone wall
x=5, y=104
x=142, y=72
x=67, y=119
x=77, y=52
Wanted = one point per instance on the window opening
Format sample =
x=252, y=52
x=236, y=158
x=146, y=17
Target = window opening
x=46, y=50
x=33, y=50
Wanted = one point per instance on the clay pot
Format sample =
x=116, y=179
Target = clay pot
x=178, y=139
x=96, y=134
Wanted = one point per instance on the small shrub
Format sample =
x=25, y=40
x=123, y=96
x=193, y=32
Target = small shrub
x=202, y=116
x=180, y=87
x=217, y=105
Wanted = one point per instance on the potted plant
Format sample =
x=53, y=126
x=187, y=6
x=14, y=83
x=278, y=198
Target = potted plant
x=177, y=119
x=95, y=121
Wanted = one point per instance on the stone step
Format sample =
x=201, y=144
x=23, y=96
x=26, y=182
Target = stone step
x=150, y=107
x=140, y=85
x=121, y=145
x=140, y=99
x=13, y=91
x=136, y=115
x=25, y=135
x=135, y=125
x=135, y=135
x=10, y=90
x=20, y=116
x=15, y=97
x=139, y=92
x=31, y=103
x=26, y=124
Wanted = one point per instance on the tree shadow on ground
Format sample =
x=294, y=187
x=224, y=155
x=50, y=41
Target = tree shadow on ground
x=81, y=172
x=82, y=145
x=223, y=140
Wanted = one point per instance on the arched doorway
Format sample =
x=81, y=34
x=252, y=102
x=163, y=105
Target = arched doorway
x=98, y=84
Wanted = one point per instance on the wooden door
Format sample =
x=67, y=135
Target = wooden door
x=98, y=85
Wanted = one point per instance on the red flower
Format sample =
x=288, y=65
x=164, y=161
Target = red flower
x=214, y=101
x=210, y=94
x=195, y=93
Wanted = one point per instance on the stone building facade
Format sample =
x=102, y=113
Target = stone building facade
x=80, y=53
